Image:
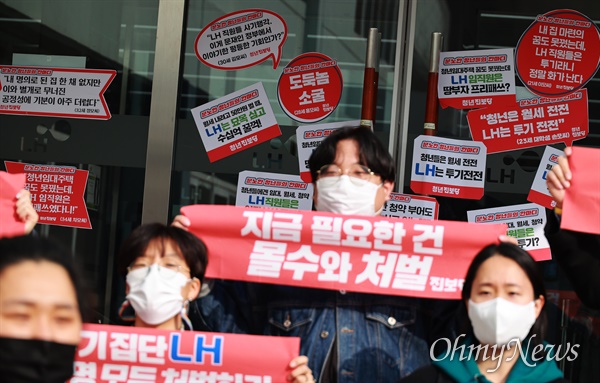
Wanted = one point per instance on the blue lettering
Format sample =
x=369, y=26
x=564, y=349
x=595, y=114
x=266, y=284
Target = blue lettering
x=215, y=129
x=260, y=200
x=175, y=355
x=429, y=170
x=461, y=79
x=202, y=349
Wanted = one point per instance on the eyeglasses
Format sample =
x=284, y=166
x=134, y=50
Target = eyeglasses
x=358, y=174
x=167, y=271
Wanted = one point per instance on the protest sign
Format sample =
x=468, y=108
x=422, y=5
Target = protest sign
x=309, y=137
x=525, y=223
x=236, y=122
x=531, y=122
x=10, y=185
x=310, y=87
x=476, y=79
x=109, y=353
x=56, y=193
x=271, y=190
x=56, y=92
x=581, y=206
x=559, y=53
x=391, y=256
x=411, y=206
x=539, y=193
x=448, y=167
x=242, y=39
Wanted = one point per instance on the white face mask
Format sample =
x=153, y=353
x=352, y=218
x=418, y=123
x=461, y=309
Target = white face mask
x=499, y=321
x=342, y=196
x=155, y=298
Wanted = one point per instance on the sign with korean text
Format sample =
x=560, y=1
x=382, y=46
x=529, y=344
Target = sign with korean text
x=391, y=256
x=108, y=354
x=55, y=92
x=411, y=206
x=10, y=185
x=309, y=137
x=539, y=193
x=525, y=223
x=476, y=79
x=581, y=206
x=310, y=87
x=559, y=53
x=242, y=39
x=272, y=190
x=236, y=122
x=531, y=122
x=448, y=167
x=56, y=193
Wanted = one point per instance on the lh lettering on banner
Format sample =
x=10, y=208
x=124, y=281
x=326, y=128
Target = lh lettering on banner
x=525, y=223
x=448, y=167
x=56, y=193
x=55, y=92
x=409, y=257
x=109, y=353
x=532, y=122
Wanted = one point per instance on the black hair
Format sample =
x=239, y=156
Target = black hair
x=527, y=264
x=191, y=247
x=371, y=151
x=38, y=249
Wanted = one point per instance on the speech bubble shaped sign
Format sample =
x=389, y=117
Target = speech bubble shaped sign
x=242, y=39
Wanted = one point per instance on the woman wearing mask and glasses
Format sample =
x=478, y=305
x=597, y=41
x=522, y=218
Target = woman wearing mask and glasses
x=348, y=337
x=504, y=325
x=41, y=302
x=164, y=268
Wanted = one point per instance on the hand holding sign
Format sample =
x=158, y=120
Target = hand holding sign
x=16, y=218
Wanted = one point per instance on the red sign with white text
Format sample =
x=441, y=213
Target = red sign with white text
x=56, y=193
x=532, y=122
x=581, y=206
x=109, y=353
x=56, y=92
x=380, y=255
x=10, y=185
x=310, y=87
x=559, y=53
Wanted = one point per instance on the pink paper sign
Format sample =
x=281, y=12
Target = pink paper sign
x=10, y=224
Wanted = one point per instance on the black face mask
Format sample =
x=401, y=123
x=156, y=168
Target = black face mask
x=35, y=361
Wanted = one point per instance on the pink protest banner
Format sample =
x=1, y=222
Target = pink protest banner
x=10, y=224
x=310, y=87
x=242, y=39
x=559, y=53
x=56, y=92
x=110, y=353
x=56, y=193
x=581, y=206
x=532, y=122
x=391, y=256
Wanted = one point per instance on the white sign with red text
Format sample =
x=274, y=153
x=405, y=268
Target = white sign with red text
x=525, y=223
x=448, y=167
x=236, y=122
x=55, y=92
x=411, y=206
x=309, y=137
x=539, y=191
x=272, y=190
x=476, y=79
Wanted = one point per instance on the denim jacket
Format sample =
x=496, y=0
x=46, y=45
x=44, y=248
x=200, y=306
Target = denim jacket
x=363, y=337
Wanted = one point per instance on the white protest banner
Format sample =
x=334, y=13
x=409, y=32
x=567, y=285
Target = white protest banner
x=55, y=92
x=525, y=223
x=476, y=79
x=448, y=167
x=539, y=191
x=309, y=137
x=242, y=39
x=271, y=190
x=236, y=122
x=411, y=206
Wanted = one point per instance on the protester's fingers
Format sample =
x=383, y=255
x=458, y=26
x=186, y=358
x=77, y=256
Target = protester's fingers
x=563, y=164
x=181, y=221
x=301, y=373
x=568, y=151
x=556, y=178
x=25, y=210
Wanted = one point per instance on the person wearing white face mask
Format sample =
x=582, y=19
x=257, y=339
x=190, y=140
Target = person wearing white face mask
x=504, y=324
x=164, y=268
